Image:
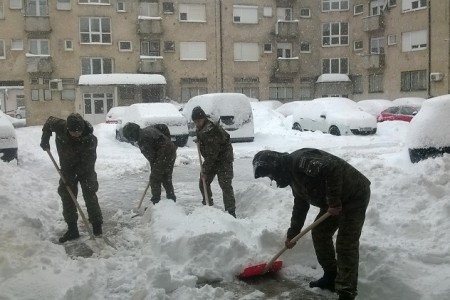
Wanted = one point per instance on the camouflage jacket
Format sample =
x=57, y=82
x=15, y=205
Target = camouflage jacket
x=215, y=145
x=156, y=146
x=77, y=154
x=321, y=179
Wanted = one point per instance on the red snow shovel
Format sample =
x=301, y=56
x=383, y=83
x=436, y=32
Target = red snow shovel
x=275, y=265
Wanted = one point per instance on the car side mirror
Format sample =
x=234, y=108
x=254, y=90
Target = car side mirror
x=414, y=113
x=323, y=116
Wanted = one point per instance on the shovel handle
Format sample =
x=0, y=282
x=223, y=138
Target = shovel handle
x=295, y=239
x=205, y=189
x=143, y=195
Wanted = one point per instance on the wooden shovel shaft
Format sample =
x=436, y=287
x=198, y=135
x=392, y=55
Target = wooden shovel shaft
x=143, y=195
x=295, y=239
x=205, y=189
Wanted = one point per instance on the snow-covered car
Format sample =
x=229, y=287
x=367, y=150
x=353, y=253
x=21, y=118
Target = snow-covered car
x=375, y=106
x=231, y=110
x=20, y=112
x=333, y=115
x=398, y=113
x=414, y=101
x=429, y=131
x=115, y=114
x=8, y=139
x=146, y=114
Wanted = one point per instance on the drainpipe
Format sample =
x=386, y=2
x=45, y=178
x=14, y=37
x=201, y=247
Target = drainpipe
x=221, y=48
x=429, y=48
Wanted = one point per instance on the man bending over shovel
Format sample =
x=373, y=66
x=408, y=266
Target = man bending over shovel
x=77, y=150
x=321, y=179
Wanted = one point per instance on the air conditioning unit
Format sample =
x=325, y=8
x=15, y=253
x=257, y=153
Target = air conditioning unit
x=436, y=76
x=55, y=85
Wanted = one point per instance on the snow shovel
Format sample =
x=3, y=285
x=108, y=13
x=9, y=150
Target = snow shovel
x=83, y=217
x=205, y=189
x=142, y=199
x=274, y=265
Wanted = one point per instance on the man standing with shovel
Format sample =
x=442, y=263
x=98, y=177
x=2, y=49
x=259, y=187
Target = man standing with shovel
x=77, y=149
x=321, y=179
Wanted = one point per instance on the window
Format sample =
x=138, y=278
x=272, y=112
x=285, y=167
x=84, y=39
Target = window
x=284, y=13
x=39, y=46
x=376, y=83
x=2, y=49
x=16, y=44
x=334, y=66
x=281, y=93
x=328, y=5
x=305, y=47
x=63, y=5
x=358, y=45
x=40, y=89
x=414, y=81
x=125, y=46
x=267, y=11
x=15, y=4
x=192, y=12
x=96, y=65
x=392, y=39
x=68, y=45
x=376, y=7
x=246, y=52
x=245, y=14
x=251, y=92
x=94, y=1
x=150, y=48
x=392, y=2
x=357, y=84
x=68, y=94
x=37, y=8
x=377, y=45
x=169, y=46
x=413, y=4
x=95, y=30
x=268, y=48
x=284, y=50
x=148, y=9
x=97, y=103
x=358, y=9
x=414, y=40
x=305, y=13
x=334, y=34
x=2, y=10
x=121, y=6
x=193, y=51
x=168, y=8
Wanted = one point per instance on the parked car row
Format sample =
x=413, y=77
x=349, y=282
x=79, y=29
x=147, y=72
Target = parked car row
x=8, y=139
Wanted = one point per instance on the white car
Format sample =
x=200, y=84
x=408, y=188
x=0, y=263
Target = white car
x=8, y=139
x=231, y=110
x=115, y=114
x=146, y=114
x=20, y=112
x=334, y=115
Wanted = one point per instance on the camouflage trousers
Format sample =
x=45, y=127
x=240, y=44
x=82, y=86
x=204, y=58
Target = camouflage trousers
x=89, y=187
x=224, y=172
x=161, y=174
x=349, y=226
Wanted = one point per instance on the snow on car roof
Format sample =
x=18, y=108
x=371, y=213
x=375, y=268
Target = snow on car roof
x=415, y=101
x=121, y=78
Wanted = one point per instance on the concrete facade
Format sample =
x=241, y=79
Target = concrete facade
x=267, y=49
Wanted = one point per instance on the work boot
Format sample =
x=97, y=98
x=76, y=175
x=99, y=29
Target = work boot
x=97, y=228
x=172, y=197
x=211, y=202
x=71, y=233
x=326, y=282
x=155, y=199
x=232, y=212
x=346, y=297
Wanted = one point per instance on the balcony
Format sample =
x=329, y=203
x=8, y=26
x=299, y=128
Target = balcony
x=374, y=61
x=37, y=24
x=372, y=23
x=287, y=67
x=287, y=29
x=39, y=64
x=147, y=25
x=151, y=65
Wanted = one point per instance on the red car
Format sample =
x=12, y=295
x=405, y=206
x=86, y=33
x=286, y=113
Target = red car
x=398, y=113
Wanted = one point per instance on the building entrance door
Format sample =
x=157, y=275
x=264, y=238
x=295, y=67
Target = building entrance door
x=96, y=106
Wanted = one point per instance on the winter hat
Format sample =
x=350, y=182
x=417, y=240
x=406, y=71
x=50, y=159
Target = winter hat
x=198, y=113
x=75, y=122
x=131, y=131
x=266, y=163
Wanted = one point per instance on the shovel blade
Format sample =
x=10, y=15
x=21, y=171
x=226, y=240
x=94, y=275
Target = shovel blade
x=258, y=270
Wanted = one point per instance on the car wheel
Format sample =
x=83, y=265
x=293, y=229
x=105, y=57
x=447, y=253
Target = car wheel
x=334, y=130
x=18, y=116
x=297, y=126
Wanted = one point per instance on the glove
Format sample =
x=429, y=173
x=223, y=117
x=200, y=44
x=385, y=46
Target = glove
x=45, y=145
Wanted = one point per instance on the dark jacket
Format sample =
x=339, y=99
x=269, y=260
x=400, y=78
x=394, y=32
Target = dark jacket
x=78, y=154
x=215, y=145
x=321, y=179
x=156, y=147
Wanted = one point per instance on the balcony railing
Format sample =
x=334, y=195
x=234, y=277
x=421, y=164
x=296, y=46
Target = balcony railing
x=287, y=29
x=374, y=61
x=151, y=65
x=37, y=24
x=39, y=64
x=147, y=25
x=287, y=66
x=372, y=23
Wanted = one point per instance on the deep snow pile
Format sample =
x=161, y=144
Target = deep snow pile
x=175, y=246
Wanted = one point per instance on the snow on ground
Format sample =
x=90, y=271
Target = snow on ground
x=175, y=247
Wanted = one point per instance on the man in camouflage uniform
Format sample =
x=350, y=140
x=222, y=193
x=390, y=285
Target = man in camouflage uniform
x=215, y=147
x=155, y=144
x=77, y=149
x=321, y=179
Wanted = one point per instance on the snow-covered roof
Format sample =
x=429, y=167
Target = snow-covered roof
x=332, y=78
x=124, y=78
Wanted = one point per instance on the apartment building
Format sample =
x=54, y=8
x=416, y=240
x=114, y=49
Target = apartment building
x=90, y=55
